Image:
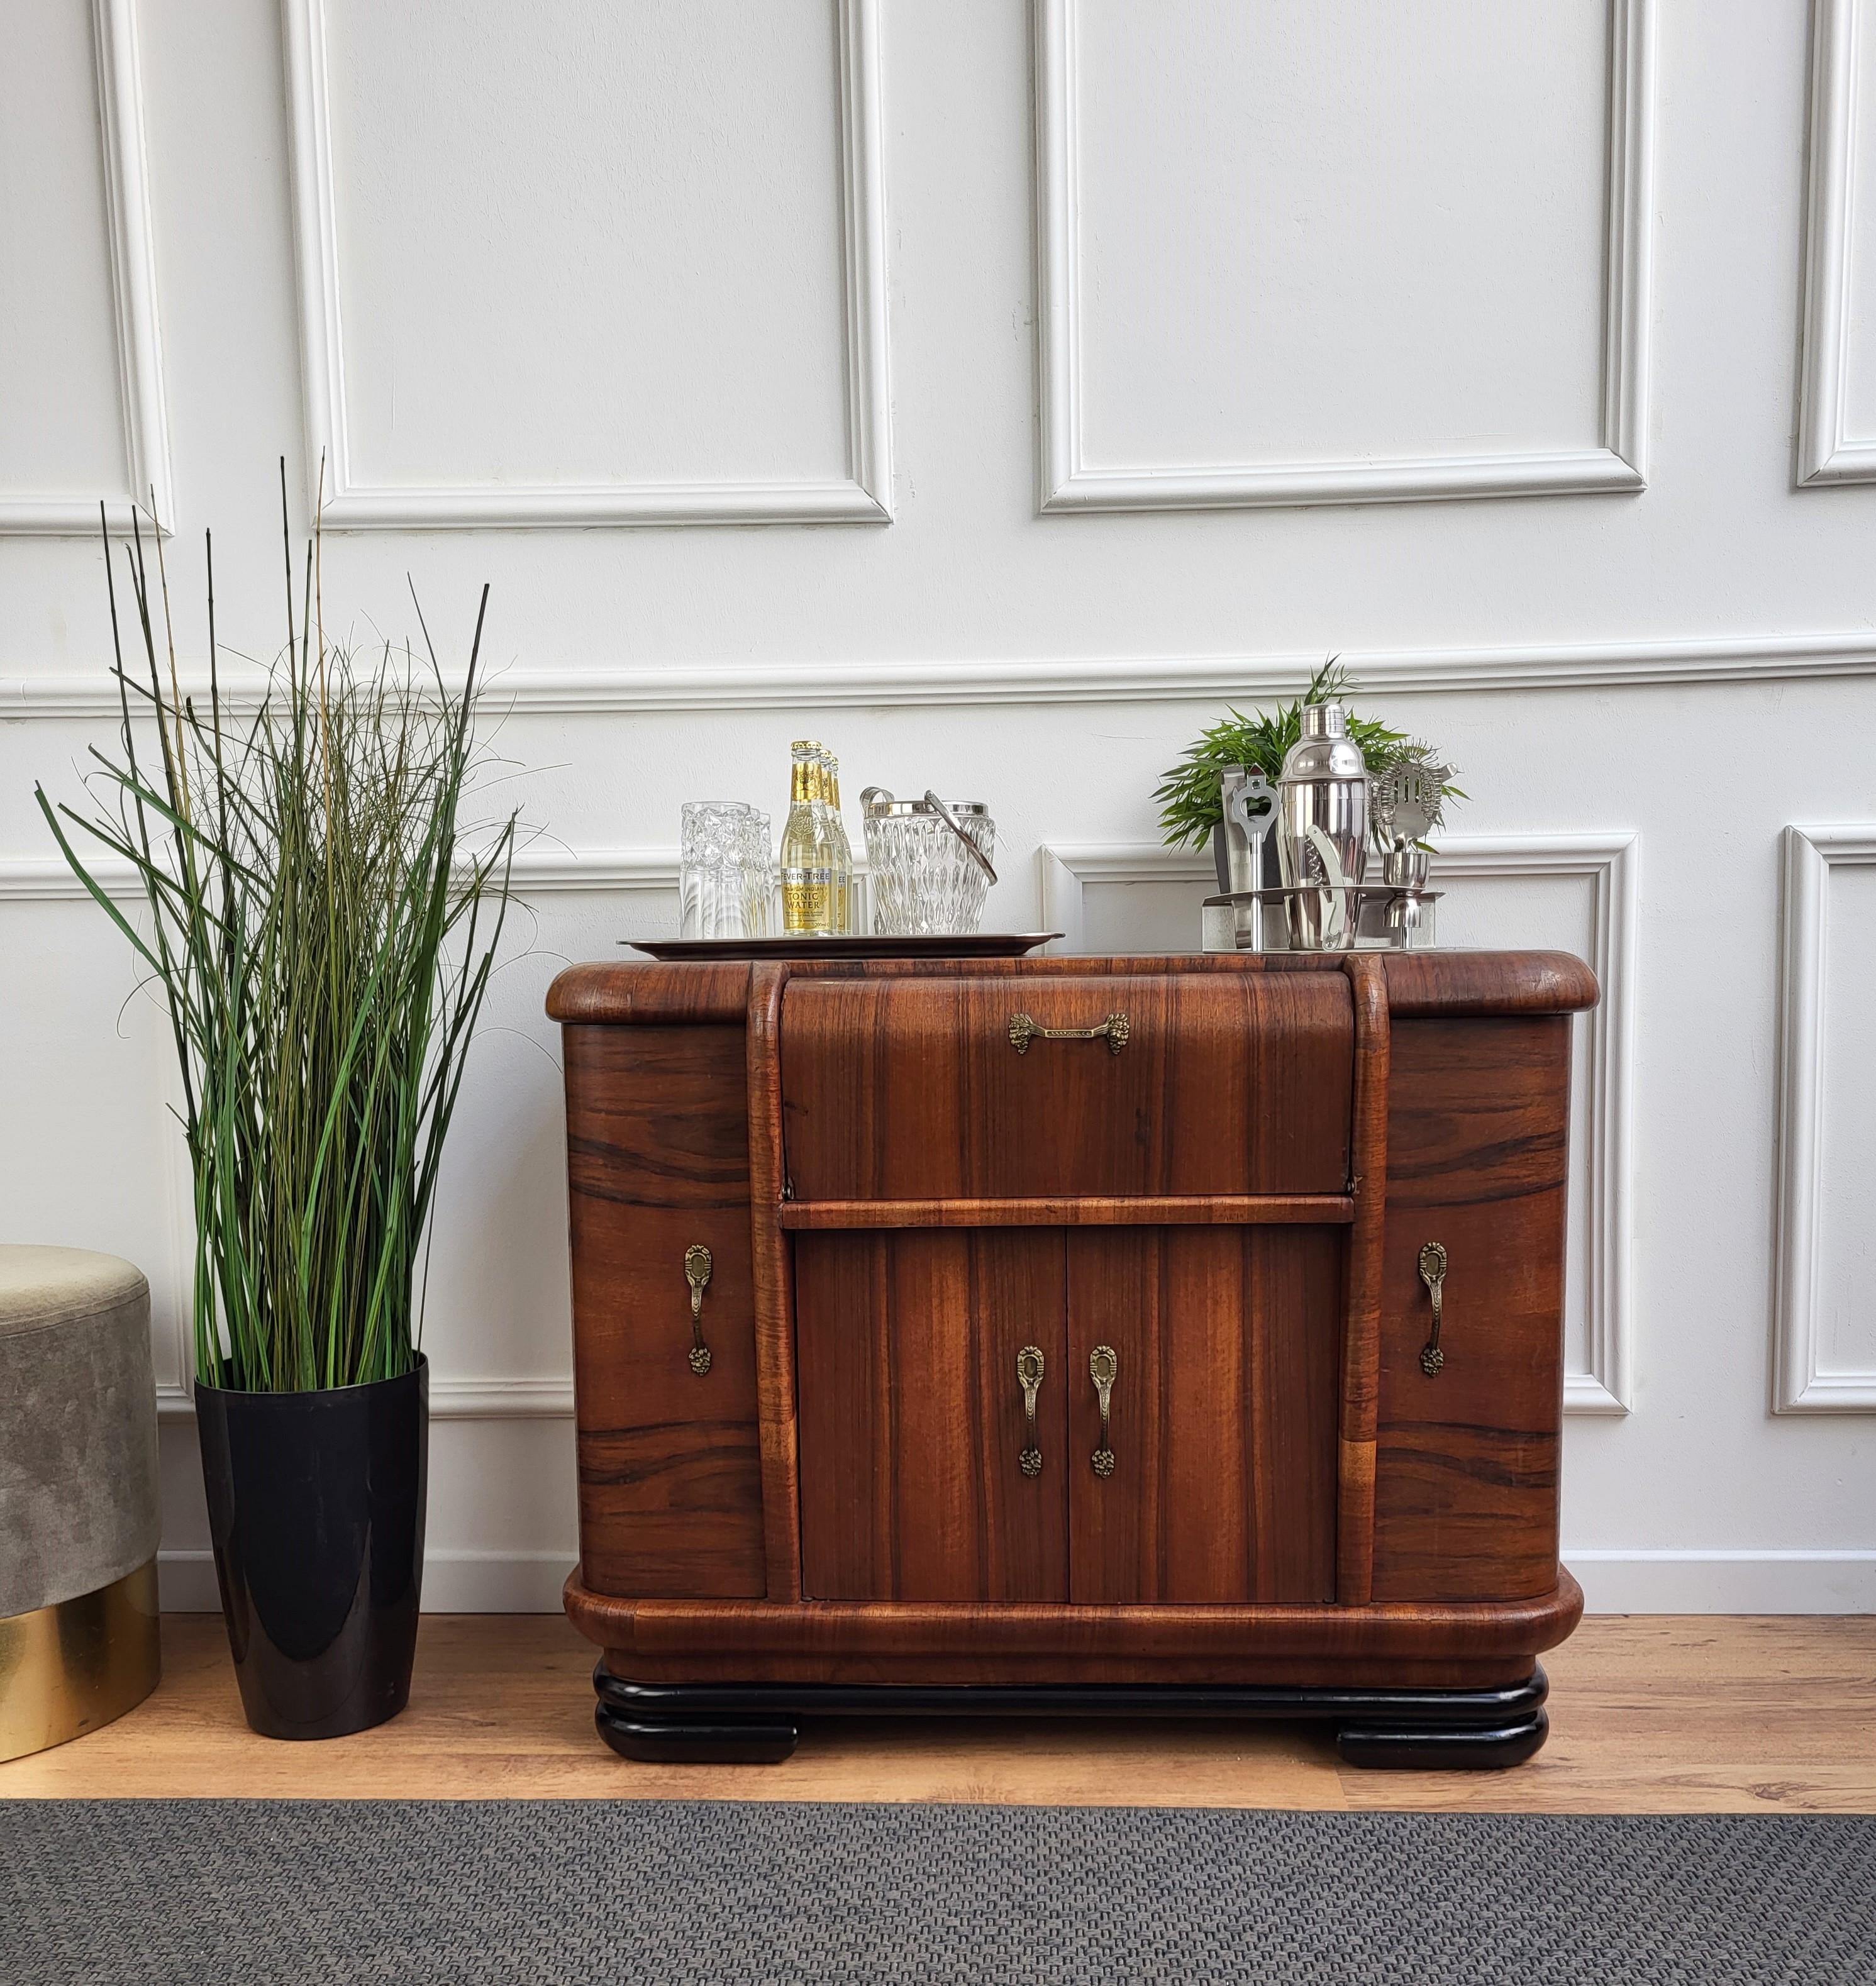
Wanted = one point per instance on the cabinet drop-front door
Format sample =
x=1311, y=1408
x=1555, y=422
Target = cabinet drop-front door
x=1216, y=1480
x=921, y=1476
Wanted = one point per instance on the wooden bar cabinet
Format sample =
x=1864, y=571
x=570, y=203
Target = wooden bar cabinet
x=1175, y=1336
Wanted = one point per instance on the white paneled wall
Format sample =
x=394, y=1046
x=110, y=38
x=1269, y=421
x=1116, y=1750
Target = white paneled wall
x=1077, y=363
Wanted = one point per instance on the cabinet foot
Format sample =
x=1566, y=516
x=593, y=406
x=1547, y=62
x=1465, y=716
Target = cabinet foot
x=697, y=1740
x=758, y=1723
x=1436, y=1748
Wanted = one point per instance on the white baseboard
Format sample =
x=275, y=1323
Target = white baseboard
x=1726, y=1582
x=1613, y=1582
x=454, y=1582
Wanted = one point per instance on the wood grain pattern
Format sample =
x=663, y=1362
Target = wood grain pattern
x=773, y=1270
x=1420, y=983
x=670, y=1482
x=1208, y=1202
x=656, y=1116
x=1456, y=983
x=1468, y=1461
x=1649, y=1714
x=1504, y=1634
x=1361, y=1324
x=650, y=995
x=912, y=1414
x=910, y=1089
x=1218, y=1210
x=1223, y=1426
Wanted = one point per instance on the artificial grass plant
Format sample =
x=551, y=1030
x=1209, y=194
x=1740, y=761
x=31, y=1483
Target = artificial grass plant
x=322, y=933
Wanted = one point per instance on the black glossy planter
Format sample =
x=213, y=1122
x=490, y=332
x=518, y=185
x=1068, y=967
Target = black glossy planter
x=316, y=1502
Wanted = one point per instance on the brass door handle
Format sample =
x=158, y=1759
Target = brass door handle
x=1114, y=1030
x=697, y=1274
x=1029, y=1373
x=1102, y=1367
x=1432, y=1274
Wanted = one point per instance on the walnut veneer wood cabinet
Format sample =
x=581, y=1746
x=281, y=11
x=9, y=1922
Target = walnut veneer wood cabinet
x=1175, y=1335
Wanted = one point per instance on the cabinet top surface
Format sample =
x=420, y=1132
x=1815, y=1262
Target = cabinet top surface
x=1426, y=983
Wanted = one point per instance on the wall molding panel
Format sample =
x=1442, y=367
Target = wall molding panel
x=863, y=496
x=133, y=290
x=1065, y=870
x=923, y=684
x=457, y=1399
x=456, y=1580
x=1688, y=1580
x=538, y=871
x=1802, y=1382
x=1618, y=463
x=1610, y=863
x=1672, y=1581
x=1827, y=454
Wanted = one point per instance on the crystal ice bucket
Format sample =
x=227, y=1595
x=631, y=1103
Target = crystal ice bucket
x=929, y=863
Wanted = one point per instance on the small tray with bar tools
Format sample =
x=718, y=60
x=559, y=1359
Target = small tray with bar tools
x=1369, y=908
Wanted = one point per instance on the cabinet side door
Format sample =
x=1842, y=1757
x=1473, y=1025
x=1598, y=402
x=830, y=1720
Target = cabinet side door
x=912, y=1423
x=1465, y=1459
x=1222, y=1414
x=658, y=1164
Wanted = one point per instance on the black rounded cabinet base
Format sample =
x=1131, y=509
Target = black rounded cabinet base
x=758, y=1723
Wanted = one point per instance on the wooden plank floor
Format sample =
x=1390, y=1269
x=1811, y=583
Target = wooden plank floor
x=1648, y=1714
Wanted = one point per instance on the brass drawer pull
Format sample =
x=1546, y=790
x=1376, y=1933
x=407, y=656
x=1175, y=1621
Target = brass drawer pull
x=1432, y=1274
x=1102, y=1367
x=1114, y=1030
x=697, y=1274
x=1029, y=1373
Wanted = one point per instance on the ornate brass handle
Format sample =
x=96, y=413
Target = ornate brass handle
x=1029, y=1373
x=1114, y=1030
x=1432, y=1274
x=1102, y=1367
x=697, y=1274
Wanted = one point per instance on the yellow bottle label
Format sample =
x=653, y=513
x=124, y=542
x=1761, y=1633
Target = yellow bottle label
x=807, y=902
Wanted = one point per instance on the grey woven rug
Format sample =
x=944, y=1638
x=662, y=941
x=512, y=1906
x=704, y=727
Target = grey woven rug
x=510, y=1892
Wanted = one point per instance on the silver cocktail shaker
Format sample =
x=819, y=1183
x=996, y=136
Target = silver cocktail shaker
x=1322, y=828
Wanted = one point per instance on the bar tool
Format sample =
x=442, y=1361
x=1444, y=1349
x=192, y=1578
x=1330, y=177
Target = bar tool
x=1245, y=855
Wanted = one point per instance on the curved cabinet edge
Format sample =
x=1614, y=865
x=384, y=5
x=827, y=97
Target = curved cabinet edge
x=1486, y=1631
x=649, y=994
x=1463, y=983
x=1456, y=983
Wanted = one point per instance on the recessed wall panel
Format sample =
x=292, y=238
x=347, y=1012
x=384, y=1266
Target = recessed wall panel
x=587, y=245
x=1845, y=1268
x=1311, y=232
x=62, y=415
x=1376, y=252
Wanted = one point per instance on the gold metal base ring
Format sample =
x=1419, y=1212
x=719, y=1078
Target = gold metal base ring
x=72, y=1666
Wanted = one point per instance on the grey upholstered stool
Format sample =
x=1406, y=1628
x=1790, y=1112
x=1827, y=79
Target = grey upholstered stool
x=78, y=1518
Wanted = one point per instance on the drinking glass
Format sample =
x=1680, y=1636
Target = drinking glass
x=713, y=888
x=758, y=875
